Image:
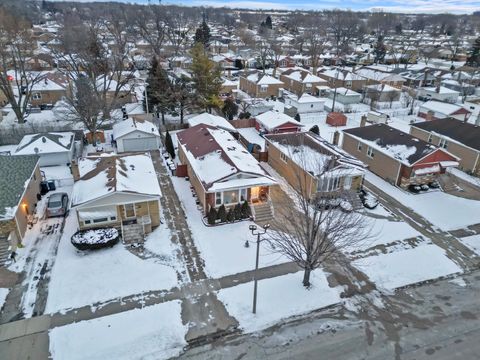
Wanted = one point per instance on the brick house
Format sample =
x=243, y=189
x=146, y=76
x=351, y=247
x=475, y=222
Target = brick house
x=301, y=81
x=459, y=138
x=338, y=78
x=220, y=169
x=312, y=165
x=19, y=188
x=52, y=87
x=395, y=156
x=260, y=85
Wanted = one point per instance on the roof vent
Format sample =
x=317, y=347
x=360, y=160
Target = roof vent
x=35, y=150
x=44, y=139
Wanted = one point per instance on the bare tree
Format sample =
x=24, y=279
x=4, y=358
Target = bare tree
x=343, y=26
x=99, y=75
x=16, y=48
x=312, y=231
x=151, y=22
x=316, y=41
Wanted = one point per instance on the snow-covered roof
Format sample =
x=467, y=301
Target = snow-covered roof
x=272, y=119
x=45, y=143
x=212, y=120
x=216, y=156
x=440, y=107
x=130, y=125
x=263, y=79
x=442, y=90
x=105, y=175
x=394, y=143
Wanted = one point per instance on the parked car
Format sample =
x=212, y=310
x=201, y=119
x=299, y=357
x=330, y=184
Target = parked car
x=57, y=205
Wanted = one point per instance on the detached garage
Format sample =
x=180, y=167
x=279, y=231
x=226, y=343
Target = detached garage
x=55, y=148
x=134, y=135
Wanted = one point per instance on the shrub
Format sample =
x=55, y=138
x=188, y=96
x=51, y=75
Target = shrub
x=212, y=216
x=237, y=211
x=95, y=238
x=230, y=215
x=222, y=214
x=169, y=145
x=245, y=210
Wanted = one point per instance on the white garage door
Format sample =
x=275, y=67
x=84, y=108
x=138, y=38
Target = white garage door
x=140, y=144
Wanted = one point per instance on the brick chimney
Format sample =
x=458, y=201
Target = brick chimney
x=74, y=170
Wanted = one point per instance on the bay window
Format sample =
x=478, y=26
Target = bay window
x=231, y=197
x=328, y=183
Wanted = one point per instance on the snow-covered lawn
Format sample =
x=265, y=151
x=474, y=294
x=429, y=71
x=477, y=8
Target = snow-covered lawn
x=385, y=231
x=445, y=211
x=154, y=332
x=82, y=278
x=473, y=242
x=406, y=267
x=3, y=296
x=278, y=298
x=222, y=247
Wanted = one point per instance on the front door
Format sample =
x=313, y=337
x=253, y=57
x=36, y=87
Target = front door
x=347, y=183
x=254, y=193
x=129, y=211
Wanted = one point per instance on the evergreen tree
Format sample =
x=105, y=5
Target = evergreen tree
x=230, y=108
x=202, y=34
x=212, y=216
x=268, y=22
x=474, y=58
x=314, y=129
x=169, y=145
x=380, y=49
x=159, y=90
x=230, y=215
x=245, y=210
x=222, y=214
x=237, y=211
x=206, y=79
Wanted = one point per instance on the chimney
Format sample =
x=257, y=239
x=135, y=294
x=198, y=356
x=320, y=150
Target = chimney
x=336, y=137
x=363, y=121
x=74, y=170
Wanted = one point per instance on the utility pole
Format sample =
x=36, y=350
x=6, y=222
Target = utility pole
x=253, y=228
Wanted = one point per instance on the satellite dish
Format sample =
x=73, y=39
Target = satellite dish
x=36, y=150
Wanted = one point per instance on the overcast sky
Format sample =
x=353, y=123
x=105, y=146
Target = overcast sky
x=407, y=6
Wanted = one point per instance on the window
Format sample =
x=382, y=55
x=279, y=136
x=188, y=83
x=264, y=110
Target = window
x=230, y=197
x=359, y=146
x=263, y=88
x=243, y=194
x=86, y=222
x=370, y=152
x=308, y=85
x=443, y=143
x=284, y=157
x=327, y=183
x=100, y=220
x=430, y=138
x=218, y=198
x=36, y=96
x=129, y=210
x=348, y=84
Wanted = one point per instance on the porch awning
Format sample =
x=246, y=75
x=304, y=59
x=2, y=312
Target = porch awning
x=449, y=163
x=97, y=213
x=242, y=183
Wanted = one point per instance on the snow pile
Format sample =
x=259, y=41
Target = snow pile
x=406, y=267
x=401, y=152
x=153, y=332
x=275, y=302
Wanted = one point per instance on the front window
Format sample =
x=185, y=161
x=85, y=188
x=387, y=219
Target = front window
x=36, y=96
x=263, y=88
x=328, y=183
x=218, y=198
x=230, y=197
x=284, y=157
x=243, y=194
